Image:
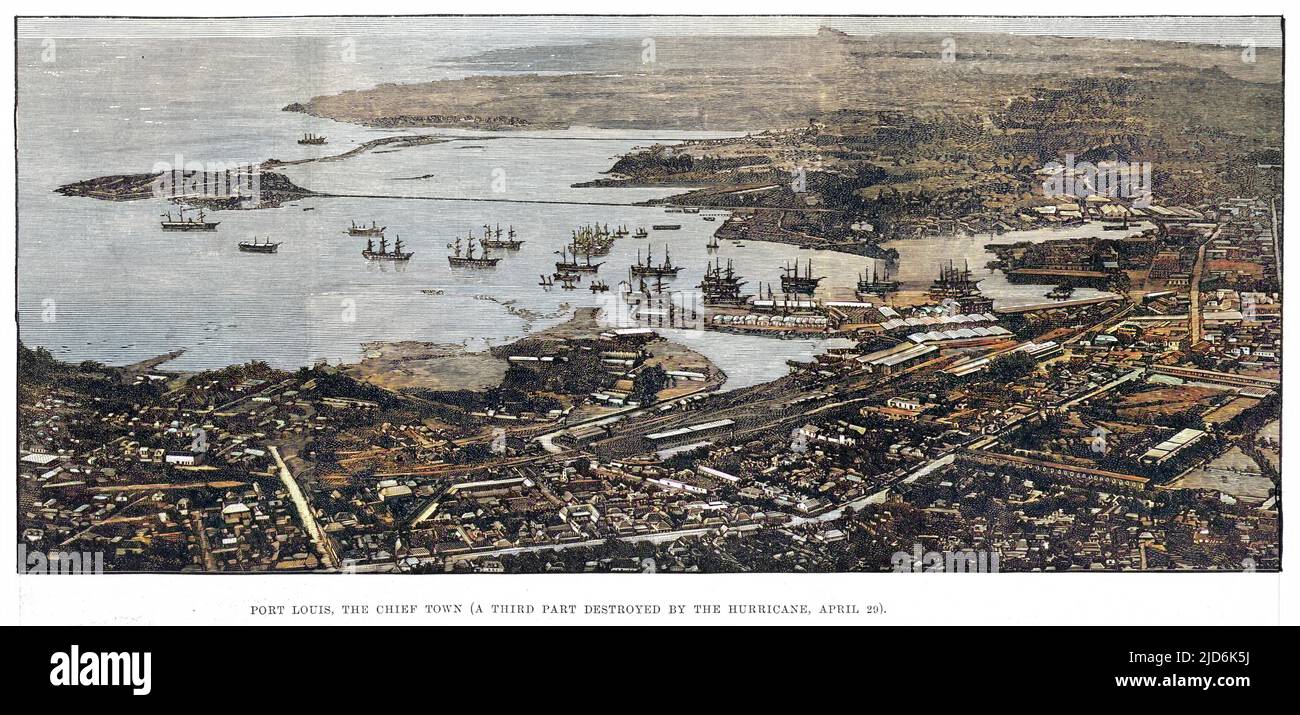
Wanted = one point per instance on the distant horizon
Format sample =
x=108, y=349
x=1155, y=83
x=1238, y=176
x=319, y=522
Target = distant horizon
x=1261, y=31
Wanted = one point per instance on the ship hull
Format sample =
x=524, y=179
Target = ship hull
x=472, y=262
x=655, y=272
x=877, y=288
x=798, y=286
x=191, y=226
x=371, y=256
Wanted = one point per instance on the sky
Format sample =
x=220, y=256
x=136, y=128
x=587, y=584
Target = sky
x=1261, y=31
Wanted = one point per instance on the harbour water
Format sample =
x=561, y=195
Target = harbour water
x=98, y=280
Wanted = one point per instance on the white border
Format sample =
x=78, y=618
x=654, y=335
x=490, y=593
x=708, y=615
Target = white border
x=1069, y=598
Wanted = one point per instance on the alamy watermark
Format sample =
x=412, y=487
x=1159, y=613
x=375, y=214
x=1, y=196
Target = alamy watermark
x=965, y=561
x=1110, y=179
x=233, y=181
x=60, y=562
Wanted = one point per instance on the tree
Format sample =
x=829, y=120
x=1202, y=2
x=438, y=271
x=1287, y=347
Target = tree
x=647, y=384
x=1011, y=366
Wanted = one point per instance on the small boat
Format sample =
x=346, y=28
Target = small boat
x=709, y=218
x=373, y=229
x=546, y=282
x=666, y=226
x=255, y=247
x=431, y=291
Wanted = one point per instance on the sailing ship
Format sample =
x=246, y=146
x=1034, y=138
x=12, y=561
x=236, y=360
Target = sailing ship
x=792, y=282
x=383, y=254
x=493, y=239
x=650, y=269
x=181, y=223
x=546, y=282
x=878, y=284
x=722, y=286
x=599, y=287
x=593, y=239
x=641, y=232
x=467, y=258
x=373, y=229
x=255, y=247
x=957, y=285
x=564, y=264
x=712, y=245
x=312, y=139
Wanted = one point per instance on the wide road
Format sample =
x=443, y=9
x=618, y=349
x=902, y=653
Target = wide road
x=1194, y=311
x=305, y=513
x=1277, y=245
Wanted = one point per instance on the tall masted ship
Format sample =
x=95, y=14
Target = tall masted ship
x=876, y=284
x=564, y=264
x=649, y=268
x=792, y=282
x=466, y=258
x=181, y=223
x=383, y=254
x=493, y=239
x=721, y=286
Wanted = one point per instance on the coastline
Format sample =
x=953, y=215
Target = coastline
x=421, y=365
